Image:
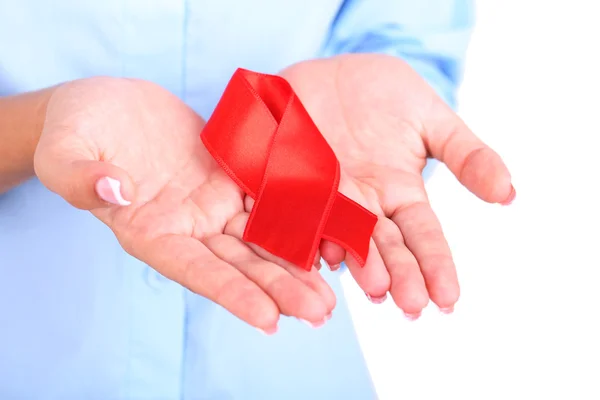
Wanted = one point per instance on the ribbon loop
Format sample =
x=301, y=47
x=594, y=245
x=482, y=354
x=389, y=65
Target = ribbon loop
x=264, y=139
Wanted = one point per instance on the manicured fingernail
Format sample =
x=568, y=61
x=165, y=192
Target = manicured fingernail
x=511, y=197
x=412, y=316
x=376, y=300
x=334, y=267
x=269, y=331
x=447, y=310
x=314, y=324
x=109, y=190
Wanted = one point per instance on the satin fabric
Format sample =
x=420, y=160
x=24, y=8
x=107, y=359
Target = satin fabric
x=263, y=137
x=81, y=319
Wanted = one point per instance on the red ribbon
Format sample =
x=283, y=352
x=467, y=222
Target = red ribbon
x=262, y=136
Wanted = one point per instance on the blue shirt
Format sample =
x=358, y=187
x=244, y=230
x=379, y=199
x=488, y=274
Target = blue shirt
x=81, y=319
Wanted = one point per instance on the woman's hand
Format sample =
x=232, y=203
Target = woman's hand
x=130, y=152
x=383, y=121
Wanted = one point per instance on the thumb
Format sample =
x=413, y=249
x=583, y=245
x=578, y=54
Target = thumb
x=479, y=168
x=86, y=184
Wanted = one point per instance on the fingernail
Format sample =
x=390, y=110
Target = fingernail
x=109, y=190
x=269, y=331
x=376, y=300
x=412, y=316
x=510, y=198
x=334, y=267
x=328, y=316
x=447, y=310
x=314, y=324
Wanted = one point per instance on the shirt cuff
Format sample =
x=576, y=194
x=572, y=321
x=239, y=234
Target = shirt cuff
x=434, y=77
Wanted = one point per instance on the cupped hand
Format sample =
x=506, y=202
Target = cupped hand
x=383, y=121
x=130, y=152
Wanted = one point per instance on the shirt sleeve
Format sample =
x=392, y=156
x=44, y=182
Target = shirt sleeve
x=431, y=35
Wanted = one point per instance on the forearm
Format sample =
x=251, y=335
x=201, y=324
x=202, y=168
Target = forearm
x=21, y=122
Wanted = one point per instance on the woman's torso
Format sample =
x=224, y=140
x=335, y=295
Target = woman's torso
x=81, y=318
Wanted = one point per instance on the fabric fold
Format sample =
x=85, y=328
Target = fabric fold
x=264, y=139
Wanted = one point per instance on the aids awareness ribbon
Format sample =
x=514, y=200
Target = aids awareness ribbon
x=264, y=139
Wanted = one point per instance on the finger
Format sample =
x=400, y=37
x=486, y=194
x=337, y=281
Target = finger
x=479, y=168
x=312, y=279
x=85, y=184
x=424, y=238
x=407, y=284
x=190, y=263
x=373, y=278
x=333, y=254
x=248, y=203
x=291, y=295
x=317, y=263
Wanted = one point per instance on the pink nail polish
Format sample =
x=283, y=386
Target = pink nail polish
x=412, y=316
x=109, y=190
x=314, y=324
x=447, y=310
x=510, y=198
x=334, y=267
x=376, y=300
x=269, y=331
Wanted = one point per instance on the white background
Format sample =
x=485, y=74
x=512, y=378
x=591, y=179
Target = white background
x=528, y=322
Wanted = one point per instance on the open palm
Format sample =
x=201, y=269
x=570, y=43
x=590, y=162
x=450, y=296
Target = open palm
x=383, y=121
x=186, y=217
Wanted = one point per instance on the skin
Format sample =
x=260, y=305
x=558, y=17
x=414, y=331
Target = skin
x=186, y=217
x=21, y=121
x=382, y=133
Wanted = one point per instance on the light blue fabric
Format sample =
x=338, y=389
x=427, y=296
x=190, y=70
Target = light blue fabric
x=81, y=319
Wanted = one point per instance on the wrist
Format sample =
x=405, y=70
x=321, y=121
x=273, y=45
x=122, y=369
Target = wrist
x=21, y=123
x=38, y=107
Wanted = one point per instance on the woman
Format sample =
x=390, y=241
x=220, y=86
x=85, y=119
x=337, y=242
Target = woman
x=153, y=295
